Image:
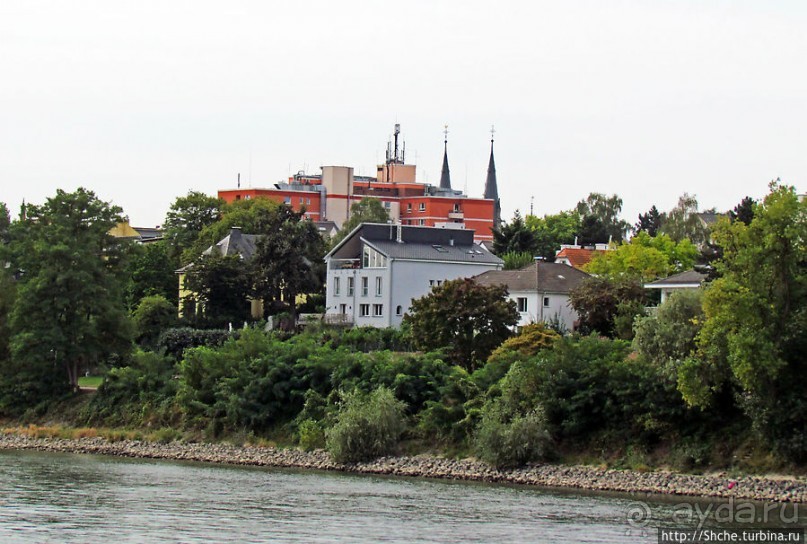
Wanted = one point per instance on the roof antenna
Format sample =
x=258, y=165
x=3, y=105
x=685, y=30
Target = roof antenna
x=239, y=180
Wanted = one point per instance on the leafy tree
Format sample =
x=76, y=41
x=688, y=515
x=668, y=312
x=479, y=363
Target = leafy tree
x=755, y=334
x=606, y=209
x=152, y=272
x=649, y=222
x=683, y=222
x=367, y=426
x=188, y=216
x=599, y=302
x=514, y=237
x=366, y=210
x=467, y=319
x=69, y=313
x=153, y=315
x=551, y=231
x=5, y=222
x=221, y=287
x=668, y=336
x=253, y=216
x=8, y=292
x=288, y=259
x=744, y=211
x=645, y=258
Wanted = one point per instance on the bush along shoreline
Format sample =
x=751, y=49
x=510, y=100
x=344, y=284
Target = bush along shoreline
x=718, y=486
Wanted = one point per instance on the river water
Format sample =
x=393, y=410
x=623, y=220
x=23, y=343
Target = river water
x=50, y=497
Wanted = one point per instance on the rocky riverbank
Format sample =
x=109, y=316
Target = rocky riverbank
x=546, y=475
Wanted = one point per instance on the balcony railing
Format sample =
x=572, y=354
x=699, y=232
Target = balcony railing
x=456, y=215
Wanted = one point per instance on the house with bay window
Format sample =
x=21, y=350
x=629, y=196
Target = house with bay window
x=378, y=269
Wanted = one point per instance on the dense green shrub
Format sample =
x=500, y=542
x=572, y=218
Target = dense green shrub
x=507, y=441
x=311, y=435
x=176, y=341
x=367, y=426
x=153, y=315
x=141, y=392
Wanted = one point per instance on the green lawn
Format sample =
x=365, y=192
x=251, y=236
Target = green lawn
x=90, y=381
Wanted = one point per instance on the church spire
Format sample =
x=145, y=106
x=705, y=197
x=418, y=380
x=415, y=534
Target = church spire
x=491, y=187
x=445, y=176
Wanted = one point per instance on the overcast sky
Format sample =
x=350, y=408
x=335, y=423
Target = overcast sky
x=143, y=101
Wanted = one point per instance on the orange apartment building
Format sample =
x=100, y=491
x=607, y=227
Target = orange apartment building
x=329, y=196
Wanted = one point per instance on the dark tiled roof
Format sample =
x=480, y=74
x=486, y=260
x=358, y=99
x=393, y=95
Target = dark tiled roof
x=473, y=253
x=684, y=278
x=234, y=243
x=539, y=276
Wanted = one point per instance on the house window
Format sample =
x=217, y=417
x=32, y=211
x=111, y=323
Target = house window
x=409, y=208
x=247, y=197
x=336, y=286
x=422, y=207
x=372, y=258
x=301, y=201
x=343, y=309
x=307, y=201
x=399, y=310
x=287, y=200
x=238, y=197
x=365, y=286
x=422, y=222
x=364, y=310
x=522, y=304
x=387, y=205
x=378, y=310
x=546, y=302
x=431, y=283
x=457, y=208
x=378, y=287
x=350, y=282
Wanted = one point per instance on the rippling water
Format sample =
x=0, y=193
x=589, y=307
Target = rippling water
x=47, y=497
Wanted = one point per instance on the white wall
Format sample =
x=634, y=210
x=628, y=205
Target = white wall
x=537, y=311
x=402, y=281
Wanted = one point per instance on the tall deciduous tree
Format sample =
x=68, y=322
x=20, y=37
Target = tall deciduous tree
x=254, y=216
x=606, y=210
x=683, y=222
x=755, y=334
x=366, y=210
x=69, y=313
x=467, y=319
x=152, y=272
x=551, y=231
x=188, y=216
x=288, y=259
x=644, y=258
x=221, y=286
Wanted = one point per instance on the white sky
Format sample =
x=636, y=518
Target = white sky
x=143, y=101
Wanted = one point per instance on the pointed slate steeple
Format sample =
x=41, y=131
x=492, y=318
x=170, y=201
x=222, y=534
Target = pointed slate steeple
x=445, y=176
x=491, y=187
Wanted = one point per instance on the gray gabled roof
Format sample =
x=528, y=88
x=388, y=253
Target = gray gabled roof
x=688, y=278
x=539, y=276
x=234, y=243
x=473, y=253
x=414, y=243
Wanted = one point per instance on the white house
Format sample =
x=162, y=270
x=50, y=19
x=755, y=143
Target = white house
x=689, y=280
x=376, y=271
x=541, y=291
